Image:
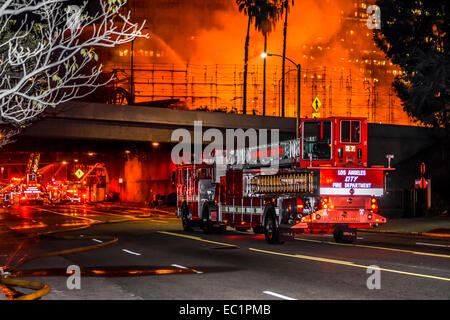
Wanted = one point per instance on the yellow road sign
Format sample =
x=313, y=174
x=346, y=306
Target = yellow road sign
x=79, y=173
x=317, y=104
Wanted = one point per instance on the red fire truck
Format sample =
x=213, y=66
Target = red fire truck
x=31, y=191
x=322, y=185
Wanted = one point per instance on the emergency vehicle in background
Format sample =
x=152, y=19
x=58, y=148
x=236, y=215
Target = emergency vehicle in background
x=323, y=186
x=31, y=190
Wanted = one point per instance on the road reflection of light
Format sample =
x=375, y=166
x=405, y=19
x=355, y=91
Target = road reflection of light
x=72, y=224
x=106, y=272
x=98, y=272
x=24, y=212
x=27, y=225
x=245, y=237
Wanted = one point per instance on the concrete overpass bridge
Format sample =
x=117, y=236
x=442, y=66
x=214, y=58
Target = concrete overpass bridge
x=80, y=120
x=105, y=123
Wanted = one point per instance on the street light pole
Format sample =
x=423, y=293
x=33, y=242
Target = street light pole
x=299, y=70
x=132, y=73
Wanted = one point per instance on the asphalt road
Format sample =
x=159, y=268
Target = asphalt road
x=232, y=265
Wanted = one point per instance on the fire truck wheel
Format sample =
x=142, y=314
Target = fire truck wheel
x=206, y=223
x=344, y=235
x=185, y=219
x=220, y=229
x=271, y=230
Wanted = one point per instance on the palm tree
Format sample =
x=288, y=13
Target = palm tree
x=285, y=10
x=264, y=13
x=265, y=22
x=249, y=8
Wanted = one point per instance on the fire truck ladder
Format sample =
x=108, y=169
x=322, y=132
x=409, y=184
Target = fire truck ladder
x=287, y=158
x=33, y=163
x=97, y=165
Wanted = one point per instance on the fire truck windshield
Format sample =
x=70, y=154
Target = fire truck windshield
x=350, y=131
x=317, y=140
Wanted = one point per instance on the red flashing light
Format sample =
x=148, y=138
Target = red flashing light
x=300, y=206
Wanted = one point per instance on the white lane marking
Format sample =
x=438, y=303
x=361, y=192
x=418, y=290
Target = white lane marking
x=68, y=215
x=360, y=238
x=432, y=244
x=131, y=252
x=99, y=241
x=181, y=267
x=278, y=295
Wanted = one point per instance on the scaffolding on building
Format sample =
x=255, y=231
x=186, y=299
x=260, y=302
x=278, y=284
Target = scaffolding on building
x=220, y=88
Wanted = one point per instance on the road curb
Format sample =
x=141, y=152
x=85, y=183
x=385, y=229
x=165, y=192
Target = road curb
x=425, y=234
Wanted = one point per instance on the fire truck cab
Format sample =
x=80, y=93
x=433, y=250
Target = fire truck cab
x=196, y=197
x=322, y=185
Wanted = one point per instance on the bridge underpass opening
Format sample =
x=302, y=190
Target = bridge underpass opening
x=90, y=172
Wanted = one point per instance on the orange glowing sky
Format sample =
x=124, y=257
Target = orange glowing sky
x=321, y=37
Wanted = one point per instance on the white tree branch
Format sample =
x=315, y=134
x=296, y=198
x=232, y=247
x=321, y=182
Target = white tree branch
x=45, y=62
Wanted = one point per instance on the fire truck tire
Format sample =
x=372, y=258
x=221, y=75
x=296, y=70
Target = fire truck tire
x=187, y=224
x=221, y=229
x=207, y=226
x=258, y=230
x=344, y=235
x=271, y=229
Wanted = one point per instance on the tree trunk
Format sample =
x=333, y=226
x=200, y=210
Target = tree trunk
x=264, y=76
x=283, y=70
x=247, y=43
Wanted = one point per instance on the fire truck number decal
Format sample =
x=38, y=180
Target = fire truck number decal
x=341, y=182
x=350, y=148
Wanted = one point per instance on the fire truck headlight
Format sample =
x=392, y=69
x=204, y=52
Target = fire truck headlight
x=318, y=217
x=369, y=216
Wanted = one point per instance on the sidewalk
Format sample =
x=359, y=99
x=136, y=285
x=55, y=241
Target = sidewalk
x=433, y=227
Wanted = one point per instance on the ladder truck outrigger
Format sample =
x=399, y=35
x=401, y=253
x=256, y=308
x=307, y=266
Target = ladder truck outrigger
x=322, y=185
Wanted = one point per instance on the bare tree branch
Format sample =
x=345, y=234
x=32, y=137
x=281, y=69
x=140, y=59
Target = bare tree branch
x=51, y=59
x=6, y=136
